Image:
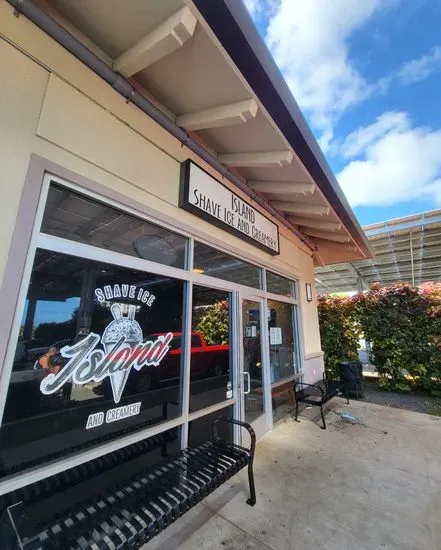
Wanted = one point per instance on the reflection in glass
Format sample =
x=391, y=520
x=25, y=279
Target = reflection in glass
x=217, y=264
x=200, y=430
x=283, y=400
x=94, y=337
x=252, y=360
x=280, y=285
x=283, y=353
x=79, y=218
x=210, y=372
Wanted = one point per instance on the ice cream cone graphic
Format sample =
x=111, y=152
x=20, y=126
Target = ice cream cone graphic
x=128, y=330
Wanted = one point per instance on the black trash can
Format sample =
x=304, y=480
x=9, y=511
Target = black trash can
x=351, y=377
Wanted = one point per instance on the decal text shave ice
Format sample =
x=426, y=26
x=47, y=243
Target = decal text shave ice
x=109, y=292
x=123, y=348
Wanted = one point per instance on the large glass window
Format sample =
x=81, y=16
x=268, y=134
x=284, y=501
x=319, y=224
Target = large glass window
x=217, y=264
x=85, y=220
x=284, y=355
x=201, y=429
x=282, y=340
x=98, y=356
x=252, y=359
x=99, y=353
x=210, y=360
x=277, y=284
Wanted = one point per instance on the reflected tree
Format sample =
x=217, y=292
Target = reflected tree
x=213, y=323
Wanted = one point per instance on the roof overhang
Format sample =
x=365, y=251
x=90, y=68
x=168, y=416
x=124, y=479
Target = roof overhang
x=204, y=65
x=235, y=30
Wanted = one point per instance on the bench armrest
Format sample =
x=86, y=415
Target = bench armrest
x=165, y=408
x=322, y=391
x=238, y=423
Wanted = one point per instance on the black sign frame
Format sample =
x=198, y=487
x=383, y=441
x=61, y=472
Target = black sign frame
x=185, y=204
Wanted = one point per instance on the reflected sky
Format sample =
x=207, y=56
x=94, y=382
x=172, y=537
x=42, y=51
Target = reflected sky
x=52, y=312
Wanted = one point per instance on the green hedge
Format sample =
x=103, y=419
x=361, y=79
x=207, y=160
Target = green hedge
x=403, y=324
x=338, y=330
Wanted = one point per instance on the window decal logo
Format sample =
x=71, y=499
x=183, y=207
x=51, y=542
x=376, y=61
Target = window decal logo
x=123, y=348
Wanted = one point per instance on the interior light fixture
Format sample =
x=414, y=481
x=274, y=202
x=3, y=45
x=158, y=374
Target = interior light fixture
x=155, y=248
x=198, y=270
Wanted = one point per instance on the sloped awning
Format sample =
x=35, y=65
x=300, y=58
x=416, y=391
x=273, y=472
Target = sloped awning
x=406, y=249
x=204, y=65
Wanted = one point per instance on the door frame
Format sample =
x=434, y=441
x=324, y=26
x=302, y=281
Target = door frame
x=263, y=423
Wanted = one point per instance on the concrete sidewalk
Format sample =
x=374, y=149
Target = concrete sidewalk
x=367, y=486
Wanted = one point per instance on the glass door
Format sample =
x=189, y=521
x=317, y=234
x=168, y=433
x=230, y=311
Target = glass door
x=252, y=372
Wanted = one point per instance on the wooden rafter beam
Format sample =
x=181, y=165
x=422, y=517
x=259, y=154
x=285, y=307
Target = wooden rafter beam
x=335, y=246
x=317, y=224
x=335, y=237
x=163, y=40
x=301, y=208
x=275, y=159
x=282, y=187
x=224, y=115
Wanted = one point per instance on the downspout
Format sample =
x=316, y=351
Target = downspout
x=123, y=87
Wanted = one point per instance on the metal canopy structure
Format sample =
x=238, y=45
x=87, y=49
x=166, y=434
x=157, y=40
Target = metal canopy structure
x=406, y=249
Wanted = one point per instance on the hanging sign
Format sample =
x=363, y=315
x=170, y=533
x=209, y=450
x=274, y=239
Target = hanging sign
x=275, y=336
x=204, y=196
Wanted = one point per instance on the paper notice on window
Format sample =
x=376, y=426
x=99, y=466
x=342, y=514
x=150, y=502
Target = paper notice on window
x=275, y=336
x=251, y=331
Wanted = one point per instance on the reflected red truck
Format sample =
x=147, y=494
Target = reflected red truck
x=206, y=360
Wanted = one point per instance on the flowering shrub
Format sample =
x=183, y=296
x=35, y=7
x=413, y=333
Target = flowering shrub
x=395, y=319
x=214, y=323
x=402, y=322
x=338, y=331
x=433, y=293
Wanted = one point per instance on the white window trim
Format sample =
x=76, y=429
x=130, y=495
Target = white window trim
x=48, y=242
x=158, y=219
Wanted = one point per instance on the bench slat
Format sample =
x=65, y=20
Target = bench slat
x=139, y=504
x=154, y=492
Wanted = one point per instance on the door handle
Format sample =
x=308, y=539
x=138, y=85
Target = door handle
x=247, y=374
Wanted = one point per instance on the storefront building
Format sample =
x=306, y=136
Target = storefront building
x=152, y=279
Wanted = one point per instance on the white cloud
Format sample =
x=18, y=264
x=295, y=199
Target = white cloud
x=357, y=142
x=419, y=69
x=253, y=6
x=309, y=40
x=258, y=8
x=392, y=162
x=388, y=161
x=412, y=71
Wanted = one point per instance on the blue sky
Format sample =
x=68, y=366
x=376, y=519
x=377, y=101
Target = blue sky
x=52, y=312
x=367, y=75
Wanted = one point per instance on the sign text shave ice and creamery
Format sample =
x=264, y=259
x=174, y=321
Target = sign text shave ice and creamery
x=204, y=196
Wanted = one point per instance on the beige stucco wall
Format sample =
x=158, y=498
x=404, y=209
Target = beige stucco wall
x=52, y=105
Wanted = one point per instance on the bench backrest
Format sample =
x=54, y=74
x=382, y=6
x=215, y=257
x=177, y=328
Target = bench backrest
x=58, y=492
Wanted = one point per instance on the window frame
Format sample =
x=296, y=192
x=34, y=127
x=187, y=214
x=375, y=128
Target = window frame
x=41, y=173
x=294, y=282
x=197, y=242
x=297, y=340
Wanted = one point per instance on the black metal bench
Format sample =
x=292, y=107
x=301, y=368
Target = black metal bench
x=317, y=394
x=103, y=505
